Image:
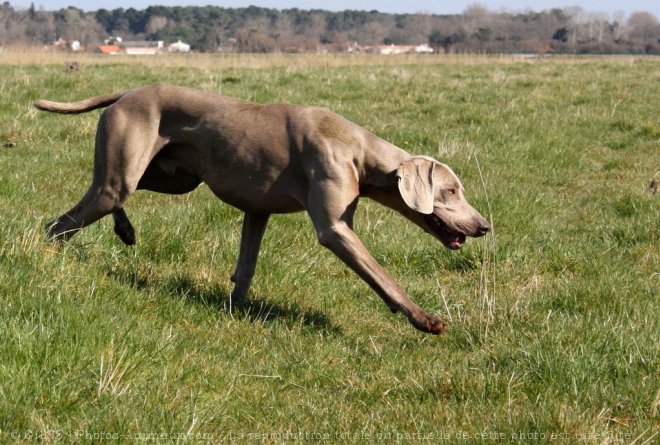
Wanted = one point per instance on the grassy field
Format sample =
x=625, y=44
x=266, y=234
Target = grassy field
x=554, y=319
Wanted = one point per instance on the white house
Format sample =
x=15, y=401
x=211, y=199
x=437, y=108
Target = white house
x=178, y=47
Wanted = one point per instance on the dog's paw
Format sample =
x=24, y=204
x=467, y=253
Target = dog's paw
x=49, y=227
x=54, y=232
x=237, y=301
x=429, y=324
x=126, y=234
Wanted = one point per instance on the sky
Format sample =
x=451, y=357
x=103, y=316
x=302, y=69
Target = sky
x=392, y=6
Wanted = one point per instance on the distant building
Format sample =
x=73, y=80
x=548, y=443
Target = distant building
x=143, y=47
x=178, y=47
x=397, y=49
x=115, y=45
x=109, y=49
x=65, y=45
x=424, y=48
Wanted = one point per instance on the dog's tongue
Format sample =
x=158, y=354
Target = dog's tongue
x=457, y=242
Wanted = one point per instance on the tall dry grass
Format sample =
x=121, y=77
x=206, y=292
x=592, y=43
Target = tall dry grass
x=18, y=55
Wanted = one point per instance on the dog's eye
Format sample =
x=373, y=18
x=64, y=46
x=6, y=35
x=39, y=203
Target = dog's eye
x=452, y=191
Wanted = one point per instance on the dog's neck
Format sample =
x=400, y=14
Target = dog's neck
x=379, y=173
x=381, y=160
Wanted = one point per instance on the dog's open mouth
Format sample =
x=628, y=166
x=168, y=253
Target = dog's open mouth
x=450, y=238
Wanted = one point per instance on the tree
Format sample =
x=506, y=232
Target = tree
x=67, y=23
x=263, y=29
x=483, y=34
x=642, y=25
x=561, y=34
x=254, y=41
x=446, y=39
x=155, y=24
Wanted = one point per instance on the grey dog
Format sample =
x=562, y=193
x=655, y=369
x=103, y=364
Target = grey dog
x=265, y=159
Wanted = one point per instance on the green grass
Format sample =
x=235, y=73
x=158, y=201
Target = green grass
x=554, y=321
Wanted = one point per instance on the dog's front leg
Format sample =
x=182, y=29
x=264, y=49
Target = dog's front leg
x=333, y=222
x=254, y=226
x=344, y=243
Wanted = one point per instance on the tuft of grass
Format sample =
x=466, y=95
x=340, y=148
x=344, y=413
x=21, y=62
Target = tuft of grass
x=552, y=321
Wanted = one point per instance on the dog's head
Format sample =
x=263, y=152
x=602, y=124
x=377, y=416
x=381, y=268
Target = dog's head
x=435, y=193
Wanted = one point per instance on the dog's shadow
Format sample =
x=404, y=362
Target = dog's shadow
x=255, y=310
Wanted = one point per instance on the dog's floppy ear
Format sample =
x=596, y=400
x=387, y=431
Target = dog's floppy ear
x=416, y=183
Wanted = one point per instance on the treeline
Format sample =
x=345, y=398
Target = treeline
x=254, y=29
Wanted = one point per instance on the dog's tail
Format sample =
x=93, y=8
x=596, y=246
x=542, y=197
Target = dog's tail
x=79, y=107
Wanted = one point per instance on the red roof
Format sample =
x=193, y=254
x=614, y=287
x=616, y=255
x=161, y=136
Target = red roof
x=109, y=49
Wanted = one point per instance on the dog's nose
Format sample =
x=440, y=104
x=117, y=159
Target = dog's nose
x=483, y=228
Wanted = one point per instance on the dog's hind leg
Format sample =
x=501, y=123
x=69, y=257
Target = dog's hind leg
x=98, y=202
x=122, y=153
x=123, y=227
x=163, y=175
